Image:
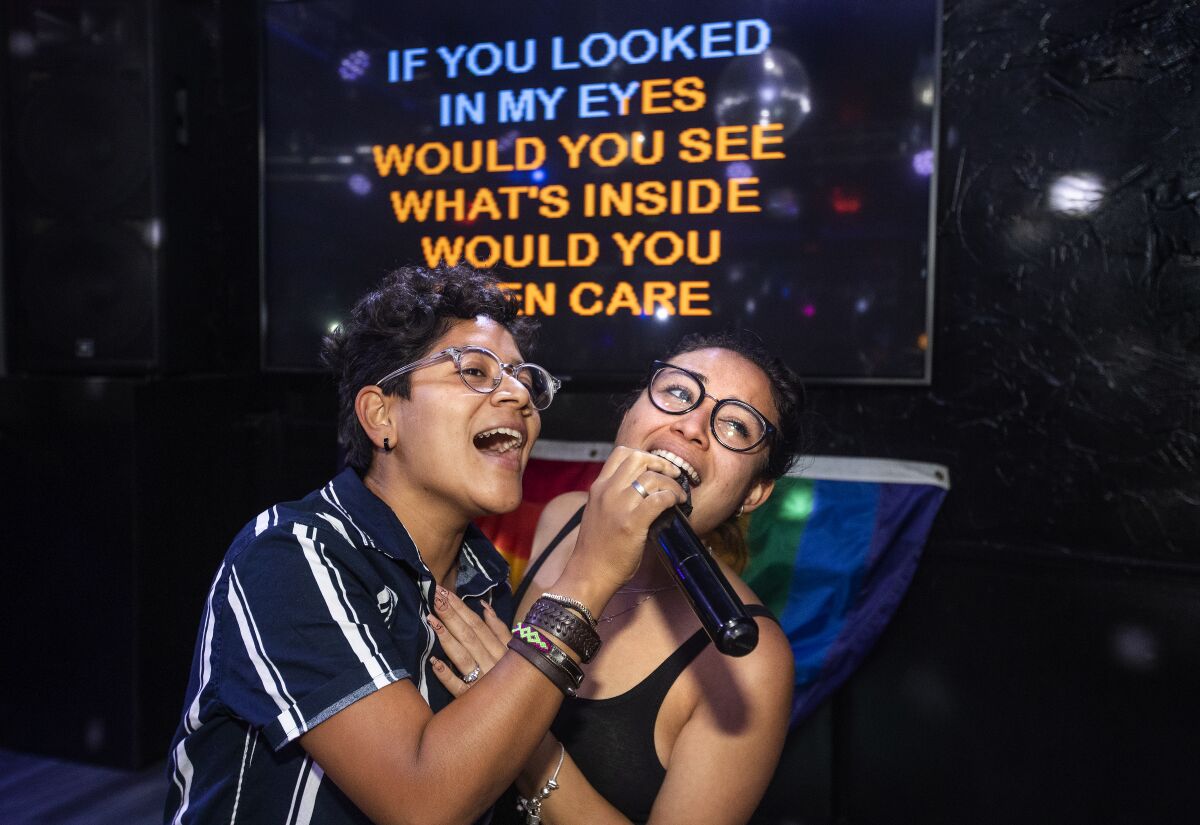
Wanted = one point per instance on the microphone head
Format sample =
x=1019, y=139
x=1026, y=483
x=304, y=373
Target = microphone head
x=686, y=507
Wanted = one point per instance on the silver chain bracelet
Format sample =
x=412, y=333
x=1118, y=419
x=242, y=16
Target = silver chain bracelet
x=533, y=805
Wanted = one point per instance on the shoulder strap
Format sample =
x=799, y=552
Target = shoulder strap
x=666, y=673
x=761, y=611
x=678, y=661
x=571, y=524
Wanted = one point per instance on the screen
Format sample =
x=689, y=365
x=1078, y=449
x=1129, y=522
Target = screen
x=633, y=171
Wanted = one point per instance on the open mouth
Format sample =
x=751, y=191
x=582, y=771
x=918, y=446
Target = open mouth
x=498, y=440
x=693, y=476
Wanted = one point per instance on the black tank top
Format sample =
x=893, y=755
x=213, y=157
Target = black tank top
x=612, y=740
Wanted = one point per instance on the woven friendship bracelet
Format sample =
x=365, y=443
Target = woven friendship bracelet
x=566, y=625
x=558, y=676
x=530, y=636
x=574, y=604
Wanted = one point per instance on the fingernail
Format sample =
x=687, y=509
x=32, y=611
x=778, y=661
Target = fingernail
x=488, y=607
x=441, y=598
x=434, y=623
x=437, y=664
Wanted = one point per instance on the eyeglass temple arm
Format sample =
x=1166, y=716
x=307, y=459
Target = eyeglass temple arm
x=416, y=365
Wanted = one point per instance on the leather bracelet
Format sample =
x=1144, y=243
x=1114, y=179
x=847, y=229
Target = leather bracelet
x=574, y=604
x=566, y=625
x=539, y=640
x=549, y=651
x=557, y=675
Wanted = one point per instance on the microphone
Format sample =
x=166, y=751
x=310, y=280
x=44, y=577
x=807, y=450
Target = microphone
x=698, y=575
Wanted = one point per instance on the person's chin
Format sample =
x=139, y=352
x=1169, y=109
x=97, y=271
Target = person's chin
x=497, y=482
x=498, y=502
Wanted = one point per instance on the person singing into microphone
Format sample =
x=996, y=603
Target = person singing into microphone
x=311, y=697
x=667, y=729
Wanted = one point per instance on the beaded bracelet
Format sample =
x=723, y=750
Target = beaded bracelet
x=566, y=625
x=533, y=805
x=574, y=604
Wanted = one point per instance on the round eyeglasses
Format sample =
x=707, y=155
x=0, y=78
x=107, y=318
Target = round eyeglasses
x=482, y=370
x=735, y=424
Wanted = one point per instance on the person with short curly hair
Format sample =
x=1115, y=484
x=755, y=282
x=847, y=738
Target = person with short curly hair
x=394, y=323
x=312, y=695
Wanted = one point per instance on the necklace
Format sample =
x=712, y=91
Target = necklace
x=642, y=589
x=652, y=592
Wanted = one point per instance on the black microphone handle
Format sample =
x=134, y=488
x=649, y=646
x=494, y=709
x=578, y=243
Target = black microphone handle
x=713, y=600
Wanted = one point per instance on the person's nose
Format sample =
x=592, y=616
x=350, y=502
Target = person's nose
x=693, y=425
x=512, y=391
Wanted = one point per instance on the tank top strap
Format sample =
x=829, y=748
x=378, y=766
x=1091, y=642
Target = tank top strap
x=761, y=611
x=571, y=524
x=660, y=681
x=675, y=664
x=653, y=690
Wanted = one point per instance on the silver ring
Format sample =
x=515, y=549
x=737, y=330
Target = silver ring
x=641, y=490
x=473, y=675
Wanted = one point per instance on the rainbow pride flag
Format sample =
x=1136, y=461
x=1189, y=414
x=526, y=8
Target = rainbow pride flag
x=832, y=552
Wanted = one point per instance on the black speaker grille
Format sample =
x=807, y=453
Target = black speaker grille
x=84, y=143
x=88, y=296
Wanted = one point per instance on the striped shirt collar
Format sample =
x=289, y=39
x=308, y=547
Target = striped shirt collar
x=480, y=567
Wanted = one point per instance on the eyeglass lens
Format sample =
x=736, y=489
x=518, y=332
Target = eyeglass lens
x=481, y=371
x=735, y=424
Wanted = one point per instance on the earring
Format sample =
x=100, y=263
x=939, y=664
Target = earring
x=741, y=509
x=386, y=447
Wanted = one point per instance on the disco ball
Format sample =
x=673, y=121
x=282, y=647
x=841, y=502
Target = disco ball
x=769, y=87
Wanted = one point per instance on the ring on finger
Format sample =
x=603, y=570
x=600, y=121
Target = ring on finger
x=640, y=488
x=473, y=675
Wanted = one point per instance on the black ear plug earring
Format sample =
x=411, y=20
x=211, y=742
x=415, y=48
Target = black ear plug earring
x=386, y=447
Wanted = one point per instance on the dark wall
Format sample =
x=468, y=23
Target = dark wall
x=1066, y=394
x=1015, y=686
x=1040, y=667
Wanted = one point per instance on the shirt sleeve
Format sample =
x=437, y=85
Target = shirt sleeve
x=302, y=634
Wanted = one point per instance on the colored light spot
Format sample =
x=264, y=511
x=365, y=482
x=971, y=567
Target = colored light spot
x=797, y=504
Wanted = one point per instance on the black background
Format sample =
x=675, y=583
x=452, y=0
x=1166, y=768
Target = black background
x=1044, y=665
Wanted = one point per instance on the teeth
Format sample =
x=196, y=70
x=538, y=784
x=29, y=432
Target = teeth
x=516, y=439
x=692, y=475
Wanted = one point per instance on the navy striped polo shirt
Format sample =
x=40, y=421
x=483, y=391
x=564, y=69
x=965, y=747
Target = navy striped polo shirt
x=317, y=604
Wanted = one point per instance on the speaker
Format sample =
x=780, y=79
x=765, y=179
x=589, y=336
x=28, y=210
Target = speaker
x=130, y=157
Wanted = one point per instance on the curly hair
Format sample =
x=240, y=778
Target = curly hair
x=398, y=322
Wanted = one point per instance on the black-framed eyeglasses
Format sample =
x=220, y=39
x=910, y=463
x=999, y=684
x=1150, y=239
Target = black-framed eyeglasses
x=482, y=370
x=735, y=424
